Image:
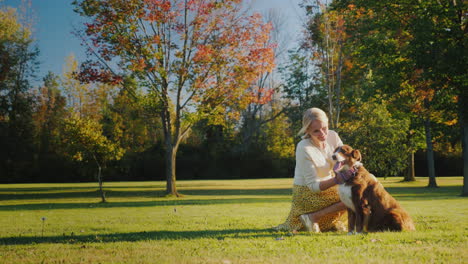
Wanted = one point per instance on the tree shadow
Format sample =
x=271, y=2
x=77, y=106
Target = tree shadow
x=71, y=188
x=110, y=192
x=423, y=193
x=220, y=196
x=55, y=206
x=141, y=236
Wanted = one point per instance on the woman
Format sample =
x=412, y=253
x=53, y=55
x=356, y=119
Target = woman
x=315, y=201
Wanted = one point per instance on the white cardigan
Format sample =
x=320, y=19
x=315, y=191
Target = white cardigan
x=313, y=164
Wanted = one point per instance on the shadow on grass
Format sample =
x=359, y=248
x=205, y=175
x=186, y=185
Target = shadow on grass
x=141, y=236
x=71, y=188
x=220, y=196
x=110, y=192
x=55, y=206
x=415, y=192
x=424, y=193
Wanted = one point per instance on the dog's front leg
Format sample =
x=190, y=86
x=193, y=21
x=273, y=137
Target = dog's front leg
x=359, y=220
x=363, y=213
x=366, y=210
x=351, y=221
x=357, y=197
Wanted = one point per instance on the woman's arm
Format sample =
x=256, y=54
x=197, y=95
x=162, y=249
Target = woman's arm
x=327, y=184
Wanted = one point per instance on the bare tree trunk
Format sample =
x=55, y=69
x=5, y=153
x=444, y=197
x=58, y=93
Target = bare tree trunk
x=462, y=91
x=410, y=174
x=170, y=146
x=171, y=188
x=249, y=128
x=338, y=86
x=170, y=161
x=464, y=134
x=430, y=154
x=103, y=195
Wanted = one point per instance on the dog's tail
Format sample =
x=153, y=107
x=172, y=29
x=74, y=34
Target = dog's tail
x=403, y=219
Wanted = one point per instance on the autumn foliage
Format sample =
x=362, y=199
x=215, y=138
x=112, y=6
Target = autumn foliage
x=197, y=58
x=203, y=44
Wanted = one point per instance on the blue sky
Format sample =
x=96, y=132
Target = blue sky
x=54, y=21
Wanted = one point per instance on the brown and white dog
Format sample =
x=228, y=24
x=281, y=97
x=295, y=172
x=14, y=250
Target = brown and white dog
x=370, y=207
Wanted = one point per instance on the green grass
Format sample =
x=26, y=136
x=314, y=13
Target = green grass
x=218, y=221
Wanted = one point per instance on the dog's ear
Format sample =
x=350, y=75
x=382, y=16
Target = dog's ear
x=356, y=154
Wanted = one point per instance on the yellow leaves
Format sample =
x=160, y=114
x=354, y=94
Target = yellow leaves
x=82, y=98
x=279, y=143
x=10, y=27
x=451, y=122
x=78, y=156
x=84, y=141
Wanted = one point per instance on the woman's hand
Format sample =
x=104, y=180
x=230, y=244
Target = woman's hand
x=343, y=176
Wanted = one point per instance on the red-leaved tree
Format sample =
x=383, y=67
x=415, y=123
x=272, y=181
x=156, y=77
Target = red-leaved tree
x=195, y=57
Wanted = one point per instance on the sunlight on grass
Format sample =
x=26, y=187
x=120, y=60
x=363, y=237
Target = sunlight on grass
x=217, y=221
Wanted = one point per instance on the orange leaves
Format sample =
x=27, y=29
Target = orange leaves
x=209, y=49
x=240, y=53
x=158, y=10
x=157, y=39
x=203, y=54
x=420, y=90
x=262, y=96
x=348, y=64
x=137, y=65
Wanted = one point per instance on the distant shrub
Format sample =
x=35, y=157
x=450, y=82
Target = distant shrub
x=380, y=138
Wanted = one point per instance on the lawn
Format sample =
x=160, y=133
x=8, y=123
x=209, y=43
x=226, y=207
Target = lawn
x=217, y=221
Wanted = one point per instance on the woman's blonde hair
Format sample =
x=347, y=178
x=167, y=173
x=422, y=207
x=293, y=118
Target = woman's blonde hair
x=309, y=116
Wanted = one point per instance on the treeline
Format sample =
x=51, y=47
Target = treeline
x=392, y=83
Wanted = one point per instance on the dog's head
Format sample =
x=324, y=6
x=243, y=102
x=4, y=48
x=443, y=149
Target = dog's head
x=346, y=158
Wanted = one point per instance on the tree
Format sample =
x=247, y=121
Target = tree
x=421, y=42
x=257, y=114
x=300, y=87
x=48, y=113
x=85, y=99
x=325, y=38
x=126, y=122
x=84, y=142
x=379, y=136
x=279, y=135
x=196, y=58
x=18, y=62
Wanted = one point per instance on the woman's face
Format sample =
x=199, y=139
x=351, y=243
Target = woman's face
x=318, y=130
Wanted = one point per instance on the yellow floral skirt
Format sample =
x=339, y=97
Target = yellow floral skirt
x=305, y=201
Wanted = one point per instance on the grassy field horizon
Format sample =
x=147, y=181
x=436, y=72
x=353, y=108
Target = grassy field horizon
x=217, y=221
